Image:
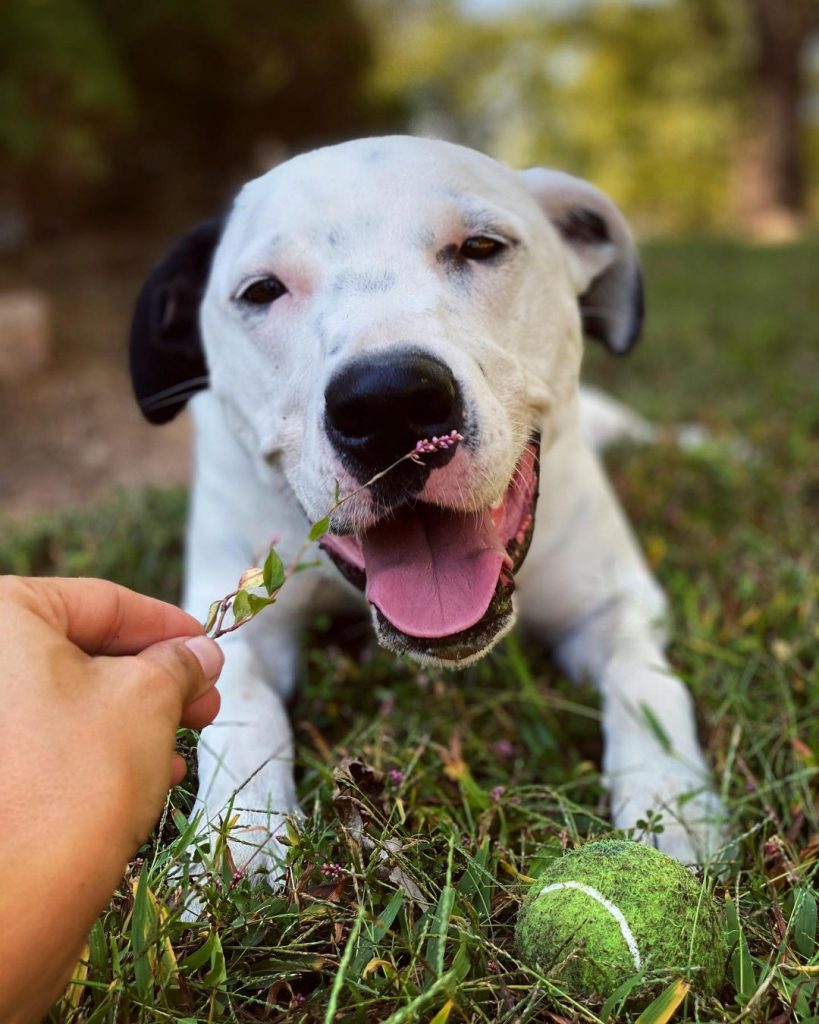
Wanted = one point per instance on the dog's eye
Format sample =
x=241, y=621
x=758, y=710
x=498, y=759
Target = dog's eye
x=263, y=292
x=481, y=247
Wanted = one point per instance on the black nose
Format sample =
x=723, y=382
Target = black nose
x=378, y=408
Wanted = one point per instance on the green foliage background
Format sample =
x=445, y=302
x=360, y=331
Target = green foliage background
x=112, y=107
x=103, y=103
x=648, y=100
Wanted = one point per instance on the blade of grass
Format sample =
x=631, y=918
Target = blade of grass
x=802, y=923
x=663, y=1008
x=742, y=967
x=436, y=942
x=343, y=966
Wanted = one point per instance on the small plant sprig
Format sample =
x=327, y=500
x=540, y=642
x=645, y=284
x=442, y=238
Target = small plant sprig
x=244, y=603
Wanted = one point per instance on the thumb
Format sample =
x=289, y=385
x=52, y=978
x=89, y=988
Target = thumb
x=187, y=666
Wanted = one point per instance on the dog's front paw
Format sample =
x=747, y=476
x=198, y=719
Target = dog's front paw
x=670, y=805
x=247, y=846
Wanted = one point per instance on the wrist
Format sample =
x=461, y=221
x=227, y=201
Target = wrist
x=72, y=856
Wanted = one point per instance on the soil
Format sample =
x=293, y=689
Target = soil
x=72, y=431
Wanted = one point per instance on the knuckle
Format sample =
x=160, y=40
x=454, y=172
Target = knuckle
x=16, y=590
x=116, y=617
x=29, y=595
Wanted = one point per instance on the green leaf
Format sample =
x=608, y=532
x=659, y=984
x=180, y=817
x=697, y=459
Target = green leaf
x=442, y=1016
x=213, y=612
x=257, y=602
x=318, y=529
x=802, y=922
x=374, y=931
x=198, y=957
x=187, y=828
x=742, y=967
x=241, y=607
x=141, y=937
x=477, y=798
x=98, y=948
x=273, y=571
x=477, y=882
x=250, y=578
x=217, y=975
x=615, y=1003
x=436, y=943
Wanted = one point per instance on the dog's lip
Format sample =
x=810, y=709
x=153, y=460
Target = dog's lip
x=472, y=596
x=457, y=650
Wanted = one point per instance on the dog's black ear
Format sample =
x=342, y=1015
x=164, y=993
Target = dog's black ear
x=602, y=256
x=166, y=355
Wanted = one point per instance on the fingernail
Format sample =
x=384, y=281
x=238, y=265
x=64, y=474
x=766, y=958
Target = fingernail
x=208, y=653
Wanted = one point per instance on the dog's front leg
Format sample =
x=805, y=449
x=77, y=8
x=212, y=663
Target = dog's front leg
x=585, y=587
x=246, y=757
x=652, y=760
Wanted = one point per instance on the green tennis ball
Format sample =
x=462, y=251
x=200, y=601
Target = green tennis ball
x=615, y=909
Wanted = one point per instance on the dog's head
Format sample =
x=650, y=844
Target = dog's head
x=364, y=296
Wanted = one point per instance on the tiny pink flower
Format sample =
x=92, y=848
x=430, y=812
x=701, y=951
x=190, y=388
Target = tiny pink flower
x=438, y=443
x=332, y=870
x=396, y=776
x=496, y=794
x=492, y=966
x=504, y=749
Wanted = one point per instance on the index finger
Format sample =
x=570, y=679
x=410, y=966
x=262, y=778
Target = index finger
x=101, y=617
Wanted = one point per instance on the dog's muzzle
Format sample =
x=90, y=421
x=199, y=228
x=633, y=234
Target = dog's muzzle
x=441, y=580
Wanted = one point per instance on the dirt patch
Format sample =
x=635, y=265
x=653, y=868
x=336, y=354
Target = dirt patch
x=72, y=431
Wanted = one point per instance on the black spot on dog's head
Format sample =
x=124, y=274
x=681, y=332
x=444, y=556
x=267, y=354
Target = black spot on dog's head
x=336, y=237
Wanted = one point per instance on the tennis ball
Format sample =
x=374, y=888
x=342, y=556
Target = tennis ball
x=614, y=909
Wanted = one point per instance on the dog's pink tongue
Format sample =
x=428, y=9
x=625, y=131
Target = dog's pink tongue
x=432, y=572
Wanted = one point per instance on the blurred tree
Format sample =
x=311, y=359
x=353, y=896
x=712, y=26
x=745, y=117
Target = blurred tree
x=129, y=106
x=61, y=91
x=771, y=158
x=654, y=101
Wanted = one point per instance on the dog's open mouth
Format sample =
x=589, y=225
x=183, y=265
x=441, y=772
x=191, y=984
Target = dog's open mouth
x=441, y=580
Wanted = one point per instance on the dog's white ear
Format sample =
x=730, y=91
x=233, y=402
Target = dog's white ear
x=602, y=257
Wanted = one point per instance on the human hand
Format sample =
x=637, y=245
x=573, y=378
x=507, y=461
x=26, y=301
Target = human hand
x=95, y=681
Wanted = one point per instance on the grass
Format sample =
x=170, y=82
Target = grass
x=468, y=784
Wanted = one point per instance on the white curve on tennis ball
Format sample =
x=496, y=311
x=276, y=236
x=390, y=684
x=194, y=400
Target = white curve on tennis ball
x=615, y=912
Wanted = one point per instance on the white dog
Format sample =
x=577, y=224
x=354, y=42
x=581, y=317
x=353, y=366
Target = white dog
x=355, y=300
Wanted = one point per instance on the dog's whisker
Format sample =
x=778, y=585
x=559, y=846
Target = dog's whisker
x=611, y=313
x=182, y=397
x=176, y=393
